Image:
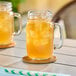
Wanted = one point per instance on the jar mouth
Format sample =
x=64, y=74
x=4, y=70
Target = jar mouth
x=4, y=5
x=41, y=13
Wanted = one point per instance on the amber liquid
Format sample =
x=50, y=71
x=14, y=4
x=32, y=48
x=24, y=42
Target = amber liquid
x=6, y=27
x=39, y=39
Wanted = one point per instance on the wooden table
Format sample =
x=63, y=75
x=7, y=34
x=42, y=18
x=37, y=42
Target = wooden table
x=66, y=58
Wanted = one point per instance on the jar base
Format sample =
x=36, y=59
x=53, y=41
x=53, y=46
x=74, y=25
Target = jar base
x=12, y=44
x=34, y=61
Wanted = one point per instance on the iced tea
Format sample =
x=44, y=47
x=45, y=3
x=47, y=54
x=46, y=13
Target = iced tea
x=39, y=38
x=6, y=27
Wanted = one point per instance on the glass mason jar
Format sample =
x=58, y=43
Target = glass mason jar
x=40, y=35
x=7, y=23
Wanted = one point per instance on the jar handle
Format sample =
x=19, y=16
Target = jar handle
x=61, y=37
x=20, y=23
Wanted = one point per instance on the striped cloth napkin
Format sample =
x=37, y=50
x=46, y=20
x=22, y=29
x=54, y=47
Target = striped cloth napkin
x=20, y=72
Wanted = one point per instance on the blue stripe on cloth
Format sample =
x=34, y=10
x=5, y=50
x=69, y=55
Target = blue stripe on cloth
x=4, y=72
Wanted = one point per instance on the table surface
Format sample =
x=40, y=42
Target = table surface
x=66, y=58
